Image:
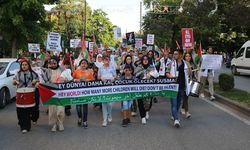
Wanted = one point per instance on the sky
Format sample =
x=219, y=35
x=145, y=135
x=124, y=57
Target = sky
x=123, y=13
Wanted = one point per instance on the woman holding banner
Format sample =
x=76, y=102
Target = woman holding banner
x=145, y=71
x=53, y=75
x=83, y=73
x=107, y=72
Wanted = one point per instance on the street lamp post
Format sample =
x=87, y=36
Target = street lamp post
x=85, y=19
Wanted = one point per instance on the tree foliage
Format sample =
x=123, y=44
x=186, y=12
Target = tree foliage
x=226, y=29
x=71, y=21
x=23, y=21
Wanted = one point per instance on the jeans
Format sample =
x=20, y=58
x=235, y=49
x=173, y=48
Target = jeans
x=106, y=110
x=126, y=104
x=82, y=112
x=176, y=103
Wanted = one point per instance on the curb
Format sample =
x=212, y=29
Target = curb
x=232, y=104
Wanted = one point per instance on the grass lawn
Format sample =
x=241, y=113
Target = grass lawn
x=234, y=94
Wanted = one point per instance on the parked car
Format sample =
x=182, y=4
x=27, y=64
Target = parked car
x=8, y=69
x=241, y=63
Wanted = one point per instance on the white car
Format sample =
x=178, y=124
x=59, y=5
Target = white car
x=241, y=63
x=8, y=69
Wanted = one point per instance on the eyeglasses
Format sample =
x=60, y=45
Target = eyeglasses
x=145, y=59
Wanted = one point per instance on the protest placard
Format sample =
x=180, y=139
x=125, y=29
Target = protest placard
x=75, y=43
x=34, y=48
x=150, y=39
x=187, y=38
x=54, y=42
x=138, y=43
x=211, y=62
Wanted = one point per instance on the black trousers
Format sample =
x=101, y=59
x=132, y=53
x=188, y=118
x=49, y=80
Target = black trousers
x=141, y=108
x=35, y=113
x=67, y=108
x=24, y=116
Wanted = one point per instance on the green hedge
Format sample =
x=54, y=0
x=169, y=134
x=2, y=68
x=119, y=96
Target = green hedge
x=226, y=81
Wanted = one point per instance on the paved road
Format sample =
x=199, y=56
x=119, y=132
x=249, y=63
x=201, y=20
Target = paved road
x=209, y=128
x=241, y=81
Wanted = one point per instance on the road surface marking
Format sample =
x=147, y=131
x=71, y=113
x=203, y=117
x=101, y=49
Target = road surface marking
x=228, y=111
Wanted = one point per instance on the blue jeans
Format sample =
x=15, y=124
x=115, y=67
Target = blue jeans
x=126, y=104
x=82, y=112
x=176, y=103
x=106, y=110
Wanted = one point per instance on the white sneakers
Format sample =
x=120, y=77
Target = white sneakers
x=133, y=114
x=183, y=111
x=53, y=129
x=24, y=131
x=202, y=95
x=109, y=118
x=147, y=115
x=143, y=121
x=60, y=127
x=177, y=123
x=104, y=123
x=212, y=98
x=188, y=115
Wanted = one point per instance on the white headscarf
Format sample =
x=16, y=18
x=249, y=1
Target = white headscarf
x=97, y=63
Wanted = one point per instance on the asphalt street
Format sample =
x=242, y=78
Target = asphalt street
x=209, y=128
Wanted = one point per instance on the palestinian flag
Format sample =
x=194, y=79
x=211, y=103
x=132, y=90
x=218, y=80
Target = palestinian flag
x=40, y=57
x=84, y=51
x=199, y=55
x=76, y=93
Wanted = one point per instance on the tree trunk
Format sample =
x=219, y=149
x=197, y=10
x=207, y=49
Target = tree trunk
x=13, y=49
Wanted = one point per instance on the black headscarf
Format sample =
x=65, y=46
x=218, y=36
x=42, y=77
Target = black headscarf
x=131, y=64
x=145, y=66
x=57, y=61
x=151, y=59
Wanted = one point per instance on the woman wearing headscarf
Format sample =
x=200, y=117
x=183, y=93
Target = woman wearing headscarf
x=56, y=113
x=128, y=61
x=26, y=79
x=145, y=71
x=99, y=61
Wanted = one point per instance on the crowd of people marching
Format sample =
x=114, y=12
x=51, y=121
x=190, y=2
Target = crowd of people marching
x=108, y=65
